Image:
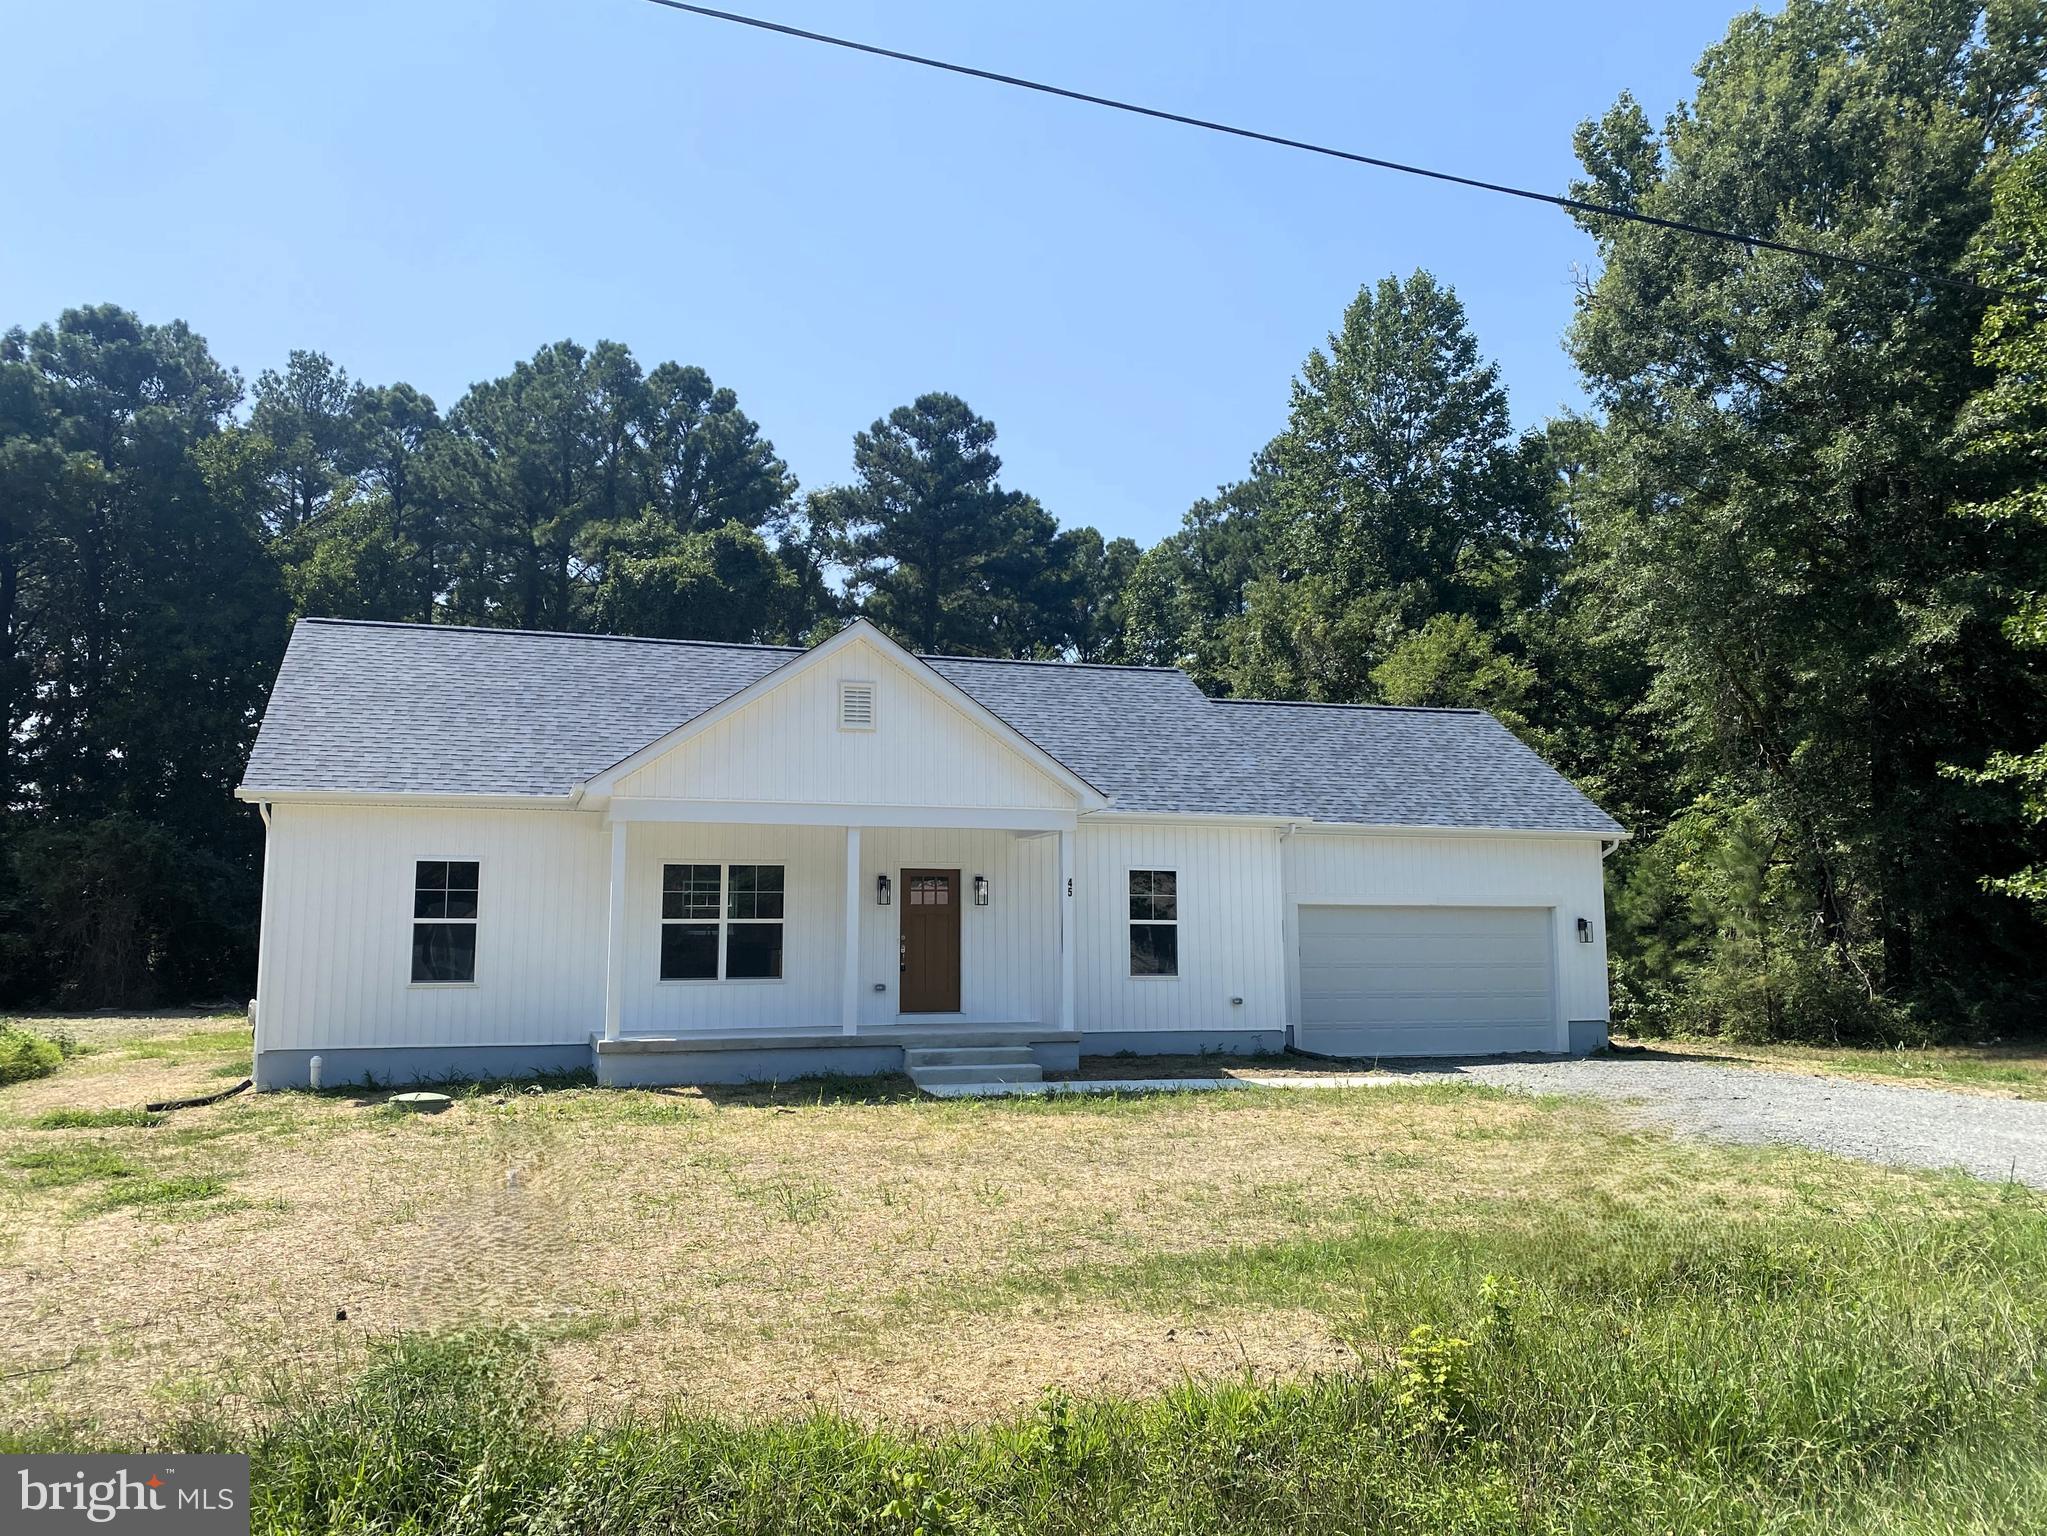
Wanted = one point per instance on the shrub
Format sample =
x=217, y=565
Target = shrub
x=25, y=1054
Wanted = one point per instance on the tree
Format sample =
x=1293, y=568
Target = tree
x=937, y=552
x=2007, y=426
x=308, y=415
x=706, y=462
x=721, y=583
x=1396, y=491
x=1451, y=662
x=1089, y=576
x=1769, y=508
x=1187, y=593
x=144, y=622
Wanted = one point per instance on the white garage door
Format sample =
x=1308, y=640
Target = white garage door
x=1425, y=981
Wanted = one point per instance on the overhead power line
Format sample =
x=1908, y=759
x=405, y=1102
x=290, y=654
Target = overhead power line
x=1570, y=204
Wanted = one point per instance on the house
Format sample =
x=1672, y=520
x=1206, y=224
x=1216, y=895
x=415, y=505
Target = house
x=500, y=852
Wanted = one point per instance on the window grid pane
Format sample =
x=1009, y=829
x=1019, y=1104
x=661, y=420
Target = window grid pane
x=721, y=922
x=1154, y=918
x=689, y=951
x=444, y=905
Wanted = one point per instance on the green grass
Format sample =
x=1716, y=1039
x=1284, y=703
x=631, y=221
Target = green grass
x=178, y=1190
x=93, y=1119
x=193, y=1046
x=72, y=1162
x=1813, y=1370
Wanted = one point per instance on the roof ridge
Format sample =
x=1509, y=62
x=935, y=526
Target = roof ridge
x=725, y=645
x=1048, y=661
x=547, y=634
x=1404, y=709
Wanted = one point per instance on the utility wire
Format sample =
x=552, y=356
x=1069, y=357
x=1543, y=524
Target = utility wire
x=1570, y=204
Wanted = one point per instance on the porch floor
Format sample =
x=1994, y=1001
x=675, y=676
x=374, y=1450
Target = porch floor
x=932, y=1035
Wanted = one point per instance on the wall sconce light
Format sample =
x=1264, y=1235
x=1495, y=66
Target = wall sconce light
x=1584, y=930
x=884, y=893
x=980, y=890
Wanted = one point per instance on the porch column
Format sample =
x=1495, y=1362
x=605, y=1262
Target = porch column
x=849, y=990
x=614, y=935
x=1066, y=1019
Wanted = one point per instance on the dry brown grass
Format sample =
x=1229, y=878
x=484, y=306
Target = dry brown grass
x=749, y=1252
x=2010, y=1070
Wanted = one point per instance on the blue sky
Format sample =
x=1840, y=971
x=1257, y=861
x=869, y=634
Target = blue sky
x=430, y=191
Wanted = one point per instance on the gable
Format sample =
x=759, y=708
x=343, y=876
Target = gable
x=787, y=744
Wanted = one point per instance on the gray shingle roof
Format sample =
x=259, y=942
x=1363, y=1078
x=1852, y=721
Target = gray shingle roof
x=418, y=709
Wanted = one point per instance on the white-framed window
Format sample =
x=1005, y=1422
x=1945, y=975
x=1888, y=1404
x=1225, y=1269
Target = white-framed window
x=721, y=922
x=444, y=907
x=1154, y=922
x=856, y=706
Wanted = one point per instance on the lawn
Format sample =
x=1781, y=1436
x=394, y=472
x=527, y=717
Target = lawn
x=842, y=1306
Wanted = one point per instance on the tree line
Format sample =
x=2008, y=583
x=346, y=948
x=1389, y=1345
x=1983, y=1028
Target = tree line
x=1774, y=599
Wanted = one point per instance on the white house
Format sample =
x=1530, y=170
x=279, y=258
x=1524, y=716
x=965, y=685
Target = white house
x=498, y=852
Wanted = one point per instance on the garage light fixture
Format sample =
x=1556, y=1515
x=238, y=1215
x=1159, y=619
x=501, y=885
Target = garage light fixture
x=980, y=890
x=884, y=893
x=1584, y=930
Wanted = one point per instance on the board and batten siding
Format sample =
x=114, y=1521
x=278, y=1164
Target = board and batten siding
x=336, y=963
x=1009, y=949
x=1229, y=904
x=787, y=745
x=1563, y=874
x=813, y=861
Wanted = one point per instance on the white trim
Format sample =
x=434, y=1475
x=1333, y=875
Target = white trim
x=859, y=631
x=1490, y=900
x=725, y=922
x=1068, y=939
x=793, y=813
x=427, y=797
x=614, y=935
x=1129, y=922
x=849, y=967
x=1296, y=824
x=412, y=921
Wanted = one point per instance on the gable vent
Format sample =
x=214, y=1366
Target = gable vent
x=856, y=706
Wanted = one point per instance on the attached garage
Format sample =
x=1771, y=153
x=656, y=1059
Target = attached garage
x=1426, y=981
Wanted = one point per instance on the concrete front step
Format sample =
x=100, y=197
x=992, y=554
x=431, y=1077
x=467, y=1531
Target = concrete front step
x=978, y=1072
x=959, y=1056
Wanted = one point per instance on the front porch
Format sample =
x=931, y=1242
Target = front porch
x=832, y=939
x=767, y=1055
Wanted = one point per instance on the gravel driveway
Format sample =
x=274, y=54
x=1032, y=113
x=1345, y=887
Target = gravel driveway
x=1917, y=1127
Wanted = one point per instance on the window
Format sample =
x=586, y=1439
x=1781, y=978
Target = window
x=721, y=922
x=856, y=706
x=1154, y=923
x=444, y=920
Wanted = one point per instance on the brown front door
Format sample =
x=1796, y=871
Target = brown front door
x=930, y=943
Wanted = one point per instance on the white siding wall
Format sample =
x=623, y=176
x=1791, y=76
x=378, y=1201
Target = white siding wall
x=1560, y=873
x=1229, y=886
x=813, y=861
x=337, y=936
x=787, y=745
x=337, y=941
x=1009, y=949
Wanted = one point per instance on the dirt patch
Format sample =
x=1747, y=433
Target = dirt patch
x=943, y=1372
